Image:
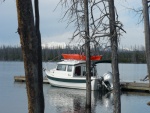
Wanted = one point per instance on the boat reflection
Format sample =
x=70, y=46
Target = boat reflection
x=74, y=101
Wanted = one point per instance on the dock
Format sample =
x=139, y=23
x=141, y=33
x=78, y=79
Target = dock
x=125, y=86
x=23, y=79
x=135, y=86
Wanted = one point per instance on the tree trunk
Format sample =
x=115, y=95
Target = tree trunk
x=31, y=56
x=147, y=34
x=39, y=86
x=114, y=48
x=88, y=62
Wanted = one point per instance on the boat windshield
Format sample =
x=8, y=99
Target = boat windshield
x=61, y=67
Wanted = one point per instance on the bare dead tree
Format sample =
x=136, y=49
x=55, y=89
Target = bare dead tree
x=88, y=61
x=98, y=20
x=29, y=37
x=147, y=33
x=104, y=29
x=39, y=76
x=114, y=48
x=143, y=13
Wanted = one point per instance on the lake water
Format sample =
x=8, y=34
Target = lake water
x=13, y=98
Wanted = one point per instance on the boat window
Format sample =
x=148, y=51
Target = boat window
x=69, y=69
x=84, y=70
x=78, y=70
x=92, y=71
x=61, y=67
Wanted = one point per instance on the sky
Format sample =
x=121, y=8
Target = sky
x=54, y=30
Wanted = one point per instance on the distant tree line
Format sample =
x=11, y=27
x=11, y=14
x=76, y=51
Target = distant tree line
x=14, y=53
x=9, y=53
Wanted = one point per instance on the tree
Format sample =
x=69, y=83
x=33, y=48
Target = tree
x=147, y=34
x=88, y=61
x=101, y=29
x=31, y=49
x=144, y=13
x=114, y=48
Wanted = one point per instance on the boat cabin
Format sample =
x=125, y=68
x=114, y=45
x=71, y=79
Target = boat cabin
x=73, y=68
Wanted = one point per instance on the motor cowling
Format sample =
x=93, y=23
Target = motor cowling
x=108, y=80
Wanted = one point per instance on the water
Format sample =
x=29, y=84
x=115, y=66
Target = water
x=13, y=97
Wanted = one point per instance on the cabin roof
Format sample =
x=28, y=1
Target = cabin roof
x=72, y=62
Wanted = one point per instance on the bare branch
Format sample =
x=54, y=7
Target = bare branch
x=99, y=20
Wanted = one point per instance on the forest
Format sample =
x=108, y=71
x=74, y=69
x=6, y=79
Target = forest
x=14, y=53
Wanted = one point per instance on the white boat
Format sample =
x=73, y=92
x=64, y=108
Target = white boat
x=71, y=73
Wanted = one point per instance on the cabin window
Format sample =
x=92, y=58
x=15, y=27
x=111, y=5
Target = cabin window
x=78, y=70
x=61, y=67
x=69, y=69
x=84, y=70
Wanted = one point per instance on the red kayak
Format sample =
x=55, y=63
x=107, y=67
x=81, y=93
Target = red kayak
x=80, y=57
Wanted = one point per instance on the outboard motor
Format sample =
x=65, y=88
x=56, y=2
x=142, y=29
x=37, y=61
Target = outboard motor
x=107, y=80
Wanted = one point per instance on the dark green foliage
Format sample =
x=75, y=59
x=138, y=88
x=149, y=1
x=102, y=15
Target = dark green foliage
x=9, y=53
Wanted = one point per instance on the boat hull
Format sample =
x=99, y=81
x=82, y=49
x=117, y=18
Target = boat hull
x=74, y=82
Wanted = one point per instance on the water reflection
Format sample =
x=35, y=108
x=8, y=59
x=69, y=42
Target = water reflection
x=74, y=101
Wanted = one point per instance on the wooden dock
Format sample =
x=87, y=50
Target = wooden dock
x=135, y=86
x=23, y=79
x=125, y=86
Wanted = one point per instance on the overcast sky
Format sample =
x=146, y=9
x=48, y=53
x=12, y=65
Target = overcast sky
x=52, y=30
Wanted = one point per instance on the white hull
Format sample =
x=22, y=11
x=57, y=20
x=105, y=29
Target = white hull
x=73, y=82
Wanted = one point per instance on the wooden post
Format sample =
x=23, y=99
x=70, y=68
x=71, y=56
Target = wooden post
x=88, y=62
x=147, y=34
